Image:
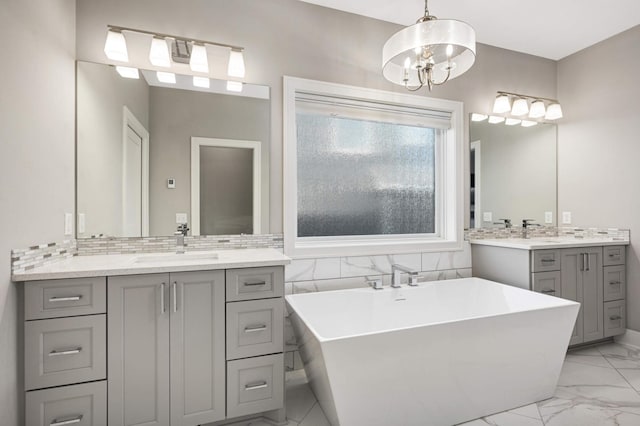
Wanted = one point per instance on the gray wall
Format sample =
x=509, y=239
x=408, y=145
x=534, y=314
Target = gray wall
x=177, y=115
x=518, y=170
x=598, y=150
x=288, y=37
x=37, y=108
x=102, y=93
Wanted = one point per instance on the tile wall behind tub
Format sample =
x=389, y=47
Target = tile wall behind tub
x=339, y=273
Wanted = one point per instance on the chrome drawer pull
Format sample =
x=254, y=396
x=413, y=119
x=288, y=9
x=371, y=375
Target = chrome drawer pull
x=65, y=352
x=255, y=284
x=65, y=299
x=254, y=329
x=615, y=317
x=612, y=255
x=72, y=421
x=548, y=291
x=614, y=282
x=260, y=385
x=547, y=260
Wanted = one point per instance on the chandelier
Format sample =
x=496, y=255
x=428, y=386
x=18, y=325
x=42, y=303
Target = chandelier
x=429, y=53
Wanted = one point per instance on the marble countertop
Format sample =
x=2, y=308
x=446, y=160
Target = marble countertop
x=548, y=242
x=149, y=263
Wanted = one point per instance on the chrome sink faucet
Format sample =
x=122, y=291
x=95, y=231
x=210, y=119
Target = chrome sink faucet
x=397, y=270
x=180, y=234
x=526, y=224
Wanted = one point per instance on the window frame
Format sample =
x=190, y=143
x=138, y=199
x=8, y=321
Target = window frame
x=449, y=180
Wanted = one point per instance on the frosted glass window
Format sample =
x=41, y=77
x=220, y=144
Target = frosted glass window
x=358, y=177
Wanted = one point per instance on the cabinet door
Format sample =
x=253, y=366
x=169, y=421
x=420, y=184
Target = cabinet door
x=197, y=347
x=592, y=295
x=138, y=350
x=571, y=266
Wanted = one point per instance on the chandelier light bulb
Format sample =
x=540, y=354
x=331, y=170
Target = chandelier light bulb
x=495, y=119
x=115, y=47
x=554, y=112
x=520, y=107
x=236, y=64
x=128, y=72
x=198, y=61
x=159, y=53
x=538, y=109
x=502, y=104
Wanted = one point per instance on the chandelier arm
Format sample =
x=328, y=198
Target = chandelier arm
x=446, y=78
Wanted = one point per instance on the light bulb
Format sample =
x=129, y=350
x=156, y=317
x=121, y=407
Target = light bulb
x=520, y=107
x=128, y=72
x=512, y=121
x=234, y=86
x=501, y=104
x=449, y=50
x=407, y=63
x=166, y=77
x=554, y=112
x=494, y=119
x=537, y=109
x=527, y=123
x=198, y=61
x=201, y=82
x=236, y=64
x=478, y=117
x=115, y=47
x=159, y=53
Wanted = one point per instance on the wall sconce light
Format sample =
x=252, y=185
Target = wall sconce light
x=159, y=55
x=127, y=72
x=520, y=106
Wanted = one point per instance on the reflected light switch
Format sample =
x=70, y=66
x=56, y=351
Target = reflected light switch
x=548, y=217
x=487, y=217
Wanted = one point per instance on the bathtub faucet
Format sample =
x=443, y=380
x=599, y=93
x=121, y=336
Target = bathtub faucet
x=397, y=270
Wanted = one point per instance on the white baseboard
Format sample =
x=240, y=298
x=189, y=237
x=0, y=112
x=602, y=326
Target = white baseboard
x=630, y=337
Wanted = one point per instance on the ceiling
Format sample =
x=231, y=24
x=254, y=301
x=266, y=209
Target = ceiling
x=551, y=29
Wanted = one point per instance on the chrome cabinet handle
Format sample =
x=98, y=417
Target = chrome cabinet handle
x=65, y=352
x=71, y=421
x=615, y=317
x=582, y=264
x=254, y=329
x=162, y=306
x=614, y=282
x=548, y=260
x=174, y=287
x=588, y=261
x=65, y=299
x=255, y=284
x=255, y=386
x=548, y=291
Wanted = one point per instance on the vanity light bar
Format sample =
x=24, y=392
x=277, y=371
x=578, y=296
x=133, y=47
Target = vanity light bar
x=520, y=106
x=116, y=49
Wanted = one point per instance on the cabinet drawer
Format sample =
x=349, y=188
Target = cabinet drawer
x=65, y=298
x=65, y=350
x=615, y=283
x=255, y=385
x=546, y=282
x=77, y=405
x=255, y=283
x=545, y=260
x=255, y=328
x=614, y=255
x=615, y=320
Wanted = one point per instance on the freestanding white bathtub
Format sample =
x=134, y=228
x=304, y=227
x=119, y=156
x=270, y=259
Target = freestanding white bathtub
x=438, y=354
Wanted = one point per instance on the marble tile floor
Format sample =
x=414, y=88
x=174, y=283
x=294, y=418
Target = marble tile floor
x=598, y=386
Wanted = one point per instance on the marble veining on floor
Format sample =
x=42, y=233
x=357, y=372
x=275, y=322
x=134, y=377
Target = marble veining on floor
x=598, y=386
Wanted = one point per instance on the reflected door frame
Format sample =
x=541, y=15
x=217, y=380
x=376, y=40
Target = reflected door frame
x=196, y=143
x=476, y=147
x=130, y=121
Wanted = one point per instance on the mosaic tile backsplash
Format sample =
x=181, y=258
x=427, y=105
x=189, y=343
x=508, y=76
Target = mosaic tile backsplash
x=25, y=259
x=548, y=231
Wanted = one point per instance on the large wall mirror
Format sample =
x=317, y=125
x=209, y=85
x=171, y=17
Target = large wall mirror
x=153, y=155
x=513, y=173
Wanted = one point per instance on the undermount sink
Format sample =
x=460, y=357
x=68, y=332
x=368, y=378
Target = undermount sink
x=177, y=257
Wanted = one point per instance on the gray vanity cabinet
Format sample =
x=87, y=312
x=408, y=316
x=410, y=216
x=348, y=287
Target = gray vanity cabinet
x=166, y=354
x=582, y=281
